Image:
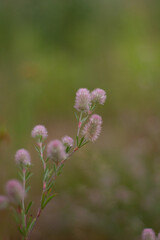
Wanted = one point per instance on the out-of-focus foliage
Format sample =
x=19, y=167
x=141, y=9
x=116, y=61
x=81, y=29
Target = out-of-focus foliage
x=49, y=49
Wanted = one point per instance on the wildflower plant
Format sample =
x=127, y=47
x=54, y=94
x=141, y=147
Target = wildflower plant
x=58, y=151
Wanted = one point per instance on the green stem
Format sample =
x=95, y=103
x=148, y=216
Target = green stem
x=23, y=205
x=79, y=124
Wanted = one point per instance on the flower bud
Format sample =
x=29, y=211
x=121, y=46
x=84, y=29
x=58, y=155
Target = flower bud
x=83, y=100
x=148, y=234
x=98, y=96
x=3, y=202
x=39, y=132
x=67, y=141
x=23, y=157
x=56, y=151
x=14, y=191
x=92, y=129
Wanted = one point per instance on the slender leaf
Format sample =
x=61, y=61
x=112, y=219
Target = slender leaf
x=28, y=175
x=43, y=199
x=37, y=149
x=77, y=117
x=77, y=140
x=84, y=143
x=48, y=200
x=81, y=141
x=32, y=225
x=28, y=188
x=21, y=231
x=29, y=222
x=28, y=207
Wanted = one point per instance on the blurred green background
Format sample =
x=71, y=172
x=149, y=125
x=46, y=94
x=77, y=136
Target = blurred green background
x=48, y=50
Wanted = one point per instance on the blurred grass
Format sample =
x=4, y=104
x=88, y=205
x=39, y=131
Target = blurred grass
x=49, y=49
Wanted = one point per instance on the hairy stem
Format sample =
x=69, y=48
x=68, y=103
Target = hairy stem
x=79, y=124
x=23, y=205
x=43, y=189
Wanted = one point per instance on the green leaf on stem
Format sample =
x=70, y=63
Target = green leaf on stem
x=47, y=159
x=28, y=175
x=60, y=170
x=43, y=199
x=43, y=148
x=54, y=167
x=32, y=225
x=28, y=188
x=21, y=231
x=46, y=173
x=48, y=200
x=50, y=186
x=81, y=141
x=84, y=119
x=84, y=144
x=68, y=149
x=29, y=223
x=16, y=215
x=77, y=140
x=77, y=117
x=37, y=149
x=20, y=175
x=28, y=207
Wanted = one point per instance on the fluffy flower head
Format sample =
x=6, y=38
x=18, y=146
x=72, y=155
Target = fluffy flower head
x=23, y=157
x=56, y=151
x=98, y=96
x=67, y=141
x=148, y=234
x=92, y=129
x=3, y=202
x=14, y=191
x=83, y=100
x=39, y=132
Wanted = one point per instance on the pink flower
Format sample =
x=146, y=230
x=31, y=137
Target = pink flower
x=92, y=129
x=14, y=191
x=98, y=96
x=67, y=141
x=148, y=234
x=23, y=157
x=3, y=202
x=39, y=132
x=56, y=151
x=83, y=100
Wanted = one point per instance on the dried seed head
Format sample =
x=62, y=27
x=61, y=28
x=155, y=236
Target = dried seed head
x=98, y=96
x=56, y=151
x=14, y=191
x=39, y=132
x=92, y=129
x=23, y=157
x=3, y=202
x=83, y=100
x=148, y=234
x=67, y=141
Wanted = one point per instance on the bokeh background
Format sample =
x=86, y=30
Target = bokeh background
x=48, y=49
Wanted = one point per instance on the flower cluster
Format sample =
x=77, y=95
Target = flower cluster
x=149, y=234
x=85, y=99
x=39, y=132
x=68, y=141
x=15, y=191
x=92, y=129
x=58, y=151
x=23, y=157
